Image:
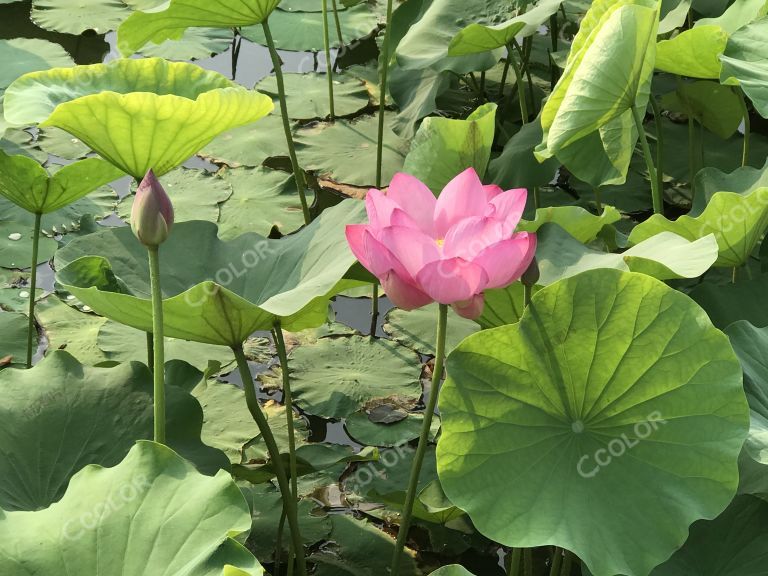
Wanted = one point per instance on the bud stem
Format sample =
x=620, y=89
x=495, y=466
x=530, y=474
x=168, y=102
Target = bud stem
x=418, y=460
x=158, y=369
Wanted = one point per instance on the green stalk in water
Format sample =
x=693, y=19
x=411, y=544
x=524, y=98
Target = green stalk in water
x=298, y=173
x=658, y=203
x=383, y=95
x=328, y=62
x=31, y=326
x=418, y=460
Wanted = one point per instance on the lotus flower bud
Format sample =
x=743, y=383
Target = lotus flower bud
x=152, y=212
x=531, y=275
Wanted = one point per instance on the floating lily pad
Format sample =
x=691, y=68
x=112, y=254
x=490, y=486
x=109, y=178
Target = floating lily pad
x=16, y=299
x=307, y=94
x=664, y=256
x=57, y=142
x=75, y=17
x=194, y=44
x=345, y=151
x=585, y=413
x=253, y=279
x=261, y=199
x=19, y=142
x=16, y=246
x=339, y=375
x=362, y=429
x=13, y=342
x=737, y=222
x=445, y=147
x=95, y=414
x=166, y=111
x=417, y=329
x=196, y=195
x=248, y=145
x=150, y=490
x=744, y=63
x=303, y=31
x=67, y=328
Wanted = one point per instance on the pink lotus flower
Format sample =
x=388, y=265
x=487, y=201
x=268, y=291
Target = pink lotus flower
x=448, y=249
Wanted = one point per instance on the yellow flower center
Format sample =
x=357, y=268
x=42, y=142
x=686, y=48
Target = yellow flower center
x=440, y=241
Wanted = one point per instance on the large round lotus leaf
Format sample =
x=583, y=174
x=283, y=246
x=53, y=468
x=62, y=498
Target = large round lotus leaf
x=194, y=44
x=16, y=246
x=196, y=195
x=13, y=342
x=93, y=529
x=303, y=31
x=248, y=145
x=214, y=292
x=261, y=199
x=378, y=427
x=307, y=94
x=61, y=415
x=345, y=151
x=337, y=376
x=695, y=52
x=142, y=28
x=733, y=544
x=665, y=256
x=614, y=408
x=68, y=329
x=744, y=63
x=417, y=329
x=738, y=222
x=76, y=16
x=138, y=114
x=27, y=184
x=481, y=38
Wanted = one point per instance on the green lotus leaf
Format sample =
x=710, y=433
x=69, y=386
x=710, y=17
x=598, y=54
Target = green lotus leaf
x=743, y=180
x=93, y=528
x=248, y=145
x=16, y=299
x=587, y=121
x=451, y=570
x=737, y=15
x=95, y=414
x=214, y=292
x=16, y=246
x=307, y=94
x=729, y=303
x=14, y=328
x=503, y=306
x=578, y=222
x=664, y=256
x=143, y=27
x=715, y=106
x=673, y=15
x=303, y=31
x=694, y=53
x=345, y=151
x=481, y=38
x=364, y=430
x=137, y=114
x=417, y=329
x=67, y=328
x=339, y=375
x=194, y=44
x=737, y=221
x=516, y=166
x=444, y=147
x=425, y=44
x=744, y=63
x=75, y=16
x=733, y=544
x=613, y=407
x=27, y=184
x=57, y=142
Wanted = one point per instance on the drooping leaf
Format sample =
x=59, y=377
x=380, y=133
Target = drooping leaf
x=445, y=147
x=744, y=63
x=169, y=24
x=337, y=376
x=737, y=15
x=61, y=416
x=481, y=38
x=238, y=287
x=587, y=120
x=694, y=53
x=137, y=114
x=737, y=221
x=585, y=412
x=92, y=529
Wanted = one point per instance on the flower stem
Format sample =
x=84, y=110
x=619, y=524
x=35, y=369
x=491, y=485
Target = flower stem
x=745, y=114
x=338, y=26
x=557, y=561
x=567, y=561
x=513, y=562
x=150, y=351
x=659, y=142
x=658, y=204
x=692, y=154
x=434, y=391
x=527, y=562
x=274, y=453
x=158, y=345
x=328, y=62
x=374, y=309
x=520, y=84
x=298, y=174
x=383, y=96
x=31, y=326
x=282, y=354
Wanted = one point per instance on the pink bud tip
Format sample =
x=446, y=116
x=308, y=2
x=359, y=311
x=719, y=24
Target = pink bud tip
x=152, y=212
